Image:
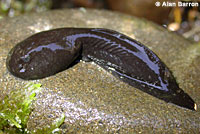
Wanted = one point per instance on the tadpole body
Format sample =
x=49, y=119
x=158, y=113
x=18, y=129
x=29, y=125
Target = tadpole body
x=49, y=52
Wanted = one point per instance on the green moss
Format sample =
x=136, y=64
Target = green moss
x=54, y=128
x=16, y=107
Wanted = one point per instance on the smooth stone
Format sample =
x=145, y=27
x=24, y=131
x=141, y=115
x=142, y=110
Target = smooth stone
x=92, y=99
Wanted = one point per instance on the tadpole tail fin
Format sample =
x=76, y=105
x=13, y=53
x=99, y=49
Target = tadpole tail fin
x=184, y=100
x=175, y=95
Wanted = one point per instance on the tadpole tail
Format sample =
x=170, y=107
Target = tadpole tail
x=174, y=95
x=184, y=100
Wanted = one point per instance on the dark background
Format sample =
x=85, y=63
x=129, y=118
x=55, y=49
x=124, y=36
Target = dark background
x=178, y=19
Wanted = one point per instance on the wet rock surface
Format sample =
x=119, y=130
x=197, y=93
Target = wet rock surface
x=92, y=99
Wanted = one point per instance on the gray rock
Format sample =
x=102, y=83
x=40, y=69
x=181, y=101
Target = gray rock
x=92, y=99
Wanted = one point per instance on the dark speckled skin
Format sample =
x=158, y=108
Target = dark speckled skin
x=49, y=52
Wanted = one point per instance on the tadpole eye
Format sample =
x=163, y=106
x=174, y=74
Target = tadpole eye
x=26, y=58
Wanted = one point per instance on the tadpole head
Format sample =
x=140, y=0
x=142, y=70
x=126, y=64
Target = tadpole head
x=40, y=56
